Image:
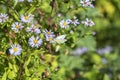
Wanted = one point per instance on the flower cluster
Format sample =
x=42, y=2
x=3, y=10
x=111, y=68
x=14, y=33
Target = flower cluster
x=49, y=35
x=79, y=51
x=16, y=49
x=23, y=0
x=87, y=3
x=33, y=29
x=65, y=23
x=34, y=39
x=105, y=50
x=75, y=22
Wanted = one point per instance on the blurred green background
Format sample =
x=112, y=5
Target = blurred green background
x=108, y=24
x=104, y=63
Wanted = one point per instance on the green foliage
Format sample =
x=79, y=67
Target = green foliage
x=72, y=57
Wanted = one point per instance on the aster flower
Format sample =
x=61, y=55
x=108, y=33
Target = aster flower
x=17, y=26
x=65, y=23
x=19, y=0
x=35, y=41
x=15, y=49
x=88, y=22
x=91, y=5
x=29, y=0
x=79, y=51
x=23, y=0
x=86, y=3
x=33, y=29
x=49, y=35
x=105, y=50
x=27, y=18
x=60, y=39
x=3, y=17
x=68, y=21
x=49, y=38
x=75, y=22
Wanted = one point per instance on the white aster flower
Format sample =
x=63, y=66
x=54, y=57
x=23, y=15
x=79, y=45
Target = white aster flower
x=3, y=17
x=49, y=35
x=27, y=18
x=60, y=39
x=87, y=3
x=68, y=21
x=19, y=0
x=91, y=5
x=29, y=0
x=35, y=41
x=88, y=22
x=15, y=49
x=65, y=23
x=75, y=22
x=49, y=38
x=17, y=26
x=33, y=29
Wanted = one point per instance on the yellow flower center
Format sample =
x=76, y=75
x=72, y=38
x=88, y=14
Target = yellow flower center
x=50, y=39
x=26, y=17
x=48, y=33
x=15, y=49
x=17, y=26
x=64, y=24
x=35, y=41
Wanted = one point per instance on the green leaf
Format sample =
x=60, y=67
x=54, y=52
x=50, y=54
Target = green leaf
x=11, y=74
x=28, y=61
x=4, y=76
x=15, y=67
x=16, y=16
x=88, y=42
x=46, y=7
x=64, y=7
x=95, y=58
x=31, y=9
x=10, y=66
x=27, y=73
x=106, y=77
